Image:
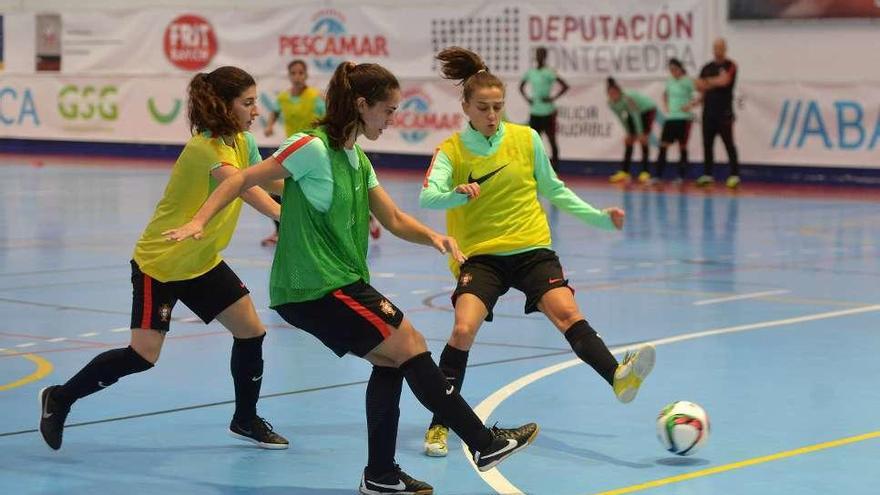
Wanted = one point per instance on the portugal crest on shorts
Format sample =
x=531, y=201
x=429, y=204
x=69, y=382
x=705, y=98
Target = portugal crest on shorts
x=465, y=279
x=164, y=312
x=386, y=307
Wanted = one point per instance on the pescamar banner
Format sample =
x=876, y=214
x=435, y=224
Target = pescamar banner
x=584, y=39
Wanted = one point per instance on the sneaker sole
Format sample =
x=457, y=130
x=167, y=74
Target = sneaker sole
x=510, y=453
x=641, y=368
x=366, y=491
x=40, y=421
x=262, y=445
x=432, y=452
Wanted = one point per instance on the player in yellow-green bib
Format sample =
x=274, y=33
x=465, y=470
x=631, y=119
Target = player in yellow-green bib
x=222, y=107
x=299, y=108
x=320, y=280
x=488, y=178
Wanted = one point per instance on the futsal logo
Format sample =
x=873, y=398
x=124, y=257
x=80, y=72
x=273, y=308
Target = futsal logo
x=330, y=43
x=164, y=312
x=190, y=42
x=416, y=118
x=387, y=308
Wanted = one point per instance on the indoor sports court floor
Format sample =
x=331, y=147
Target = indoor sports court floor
x=763, y=305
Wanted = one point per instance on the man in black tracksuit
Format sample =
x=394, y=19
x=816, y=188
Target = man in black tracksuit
x=716, y=82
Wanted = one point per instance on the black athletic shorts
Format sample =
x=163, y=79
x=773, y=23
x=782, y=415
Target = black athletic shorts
x=349, y=319
x=676, y=130
x=206, y=295
x=489, y=277
x=647, y=119
x=544, y=123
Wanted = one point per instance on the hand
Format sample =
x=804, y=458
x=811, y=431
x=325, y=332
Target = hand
x=687, y=107
x=269, y=130
x=447, y=245
x=617, y=216
x=191, y=229
x=472, y=189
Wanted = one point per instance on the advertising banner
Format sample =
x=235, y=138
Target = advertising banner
x=776, y=123
x=590, y=38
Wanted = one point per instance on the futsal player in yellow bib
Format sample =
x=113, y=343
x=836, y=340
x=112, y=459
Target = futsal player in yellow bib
x=222, y=107
x=488, y=178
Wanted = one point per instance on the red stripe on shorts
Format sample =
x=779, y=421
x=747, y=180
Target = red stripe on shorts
x=361, y=310
x=299, y=143
x=148, y=302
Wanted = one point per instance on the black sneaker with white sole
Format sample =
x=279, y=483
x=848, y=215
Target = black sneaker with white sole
x=396, y=482
x=259, y=432
x=52, y=417
x=505, y=442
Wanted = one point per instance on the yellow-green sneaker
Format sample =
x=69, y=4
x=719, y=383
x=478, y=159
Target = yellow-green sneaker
x=436, y=441
x=733, y=181
x=645, y=178
x=619, y=176
x=632, y=371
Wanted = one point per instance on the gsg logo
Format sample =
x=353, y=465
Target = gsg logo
x=88, y=102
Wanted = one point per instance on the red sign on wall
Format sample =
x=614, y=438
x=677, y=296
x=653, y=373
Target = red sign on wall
x=190, y=42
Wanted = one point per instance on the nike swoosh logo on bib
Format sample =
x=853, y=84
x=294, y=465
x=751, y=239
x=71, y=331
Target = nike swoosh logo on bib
x=484, y=178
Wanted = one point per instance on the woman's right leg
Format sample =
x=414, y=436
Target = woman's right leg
x=101, y=372
x=406, y=348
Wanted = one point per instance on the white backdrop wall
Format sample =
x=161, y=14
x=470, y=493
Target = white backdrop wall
x=804, y=93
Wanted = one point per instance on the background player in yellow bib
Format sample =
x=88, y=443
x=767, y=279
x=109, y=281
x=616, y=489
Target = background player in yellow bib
x=488, y=178
x=222, y=107
x=299, y=107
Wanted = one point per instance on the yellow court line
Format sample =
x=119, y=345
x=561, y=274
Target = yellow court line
x=44, y=367
x=742, y=464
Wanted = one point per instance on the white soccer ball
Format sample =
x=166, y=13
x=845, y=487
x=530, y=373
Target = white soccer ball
x=683, y=427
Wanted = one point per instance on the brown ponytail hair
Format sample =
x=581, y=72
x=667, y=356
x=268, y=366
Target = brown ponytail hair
x=469, y=69
x=351, y=81
x=210, y=100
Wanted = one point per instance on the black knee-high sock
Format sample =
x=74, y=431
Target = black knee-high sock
x=661, y=162
x=101, y=372
x=383, y=414
x=645, y=152
x=627, y=157
x=246, y=365
x=683, y=163
x=453, y=363
x=434, y=392
x=588, y=346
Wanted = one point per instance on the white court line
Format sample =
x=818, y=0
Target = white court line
x=26, y=344
x=57, y=339
x=750, y=295
x=500, y=484
x=88, y=334
x=120, y=329
x=419, y=291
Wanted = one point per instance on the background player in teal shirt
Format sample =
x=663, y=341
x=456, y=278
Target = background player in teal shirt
x=636, y=112
x=542, y=106
x=677, y=103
